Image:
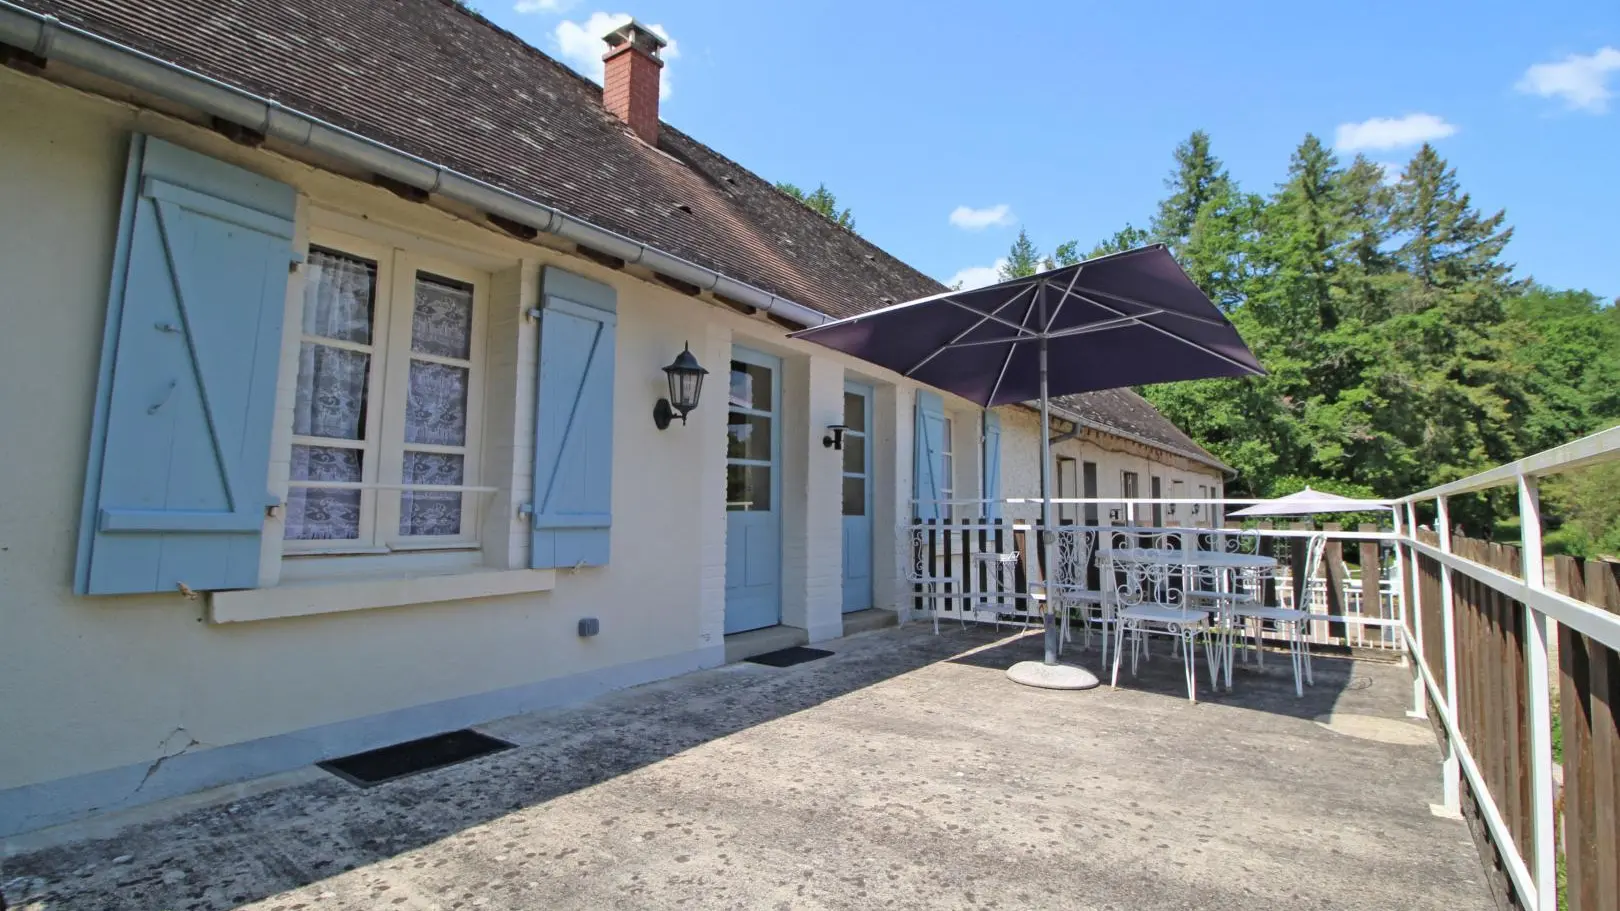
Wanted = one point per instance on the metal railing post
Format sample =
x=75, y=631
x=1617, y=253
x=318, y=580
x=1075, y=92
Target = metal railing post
x=1544, y=824
x=1450, y=769
x=1397, y=596
x=1420, y=698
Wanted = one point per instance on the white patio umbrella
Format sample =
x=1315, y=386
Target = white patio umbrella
x=1309, y=502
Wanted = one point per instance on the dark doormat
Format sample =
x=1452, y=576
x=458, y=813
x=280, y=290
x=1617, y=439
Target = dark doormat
x=787, y=657
x=388, y=763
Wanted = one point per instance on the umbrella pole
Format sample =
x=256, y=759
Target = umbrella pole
x=1048, y=673
x=1049, y=618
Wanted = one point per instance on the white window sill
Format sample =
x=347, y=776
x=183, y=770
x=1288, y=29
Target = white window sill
x=329, y=596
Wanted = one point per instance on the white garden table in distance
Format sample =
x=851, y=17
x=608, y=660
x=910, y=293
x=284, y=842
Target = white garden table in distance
x=1206, y=559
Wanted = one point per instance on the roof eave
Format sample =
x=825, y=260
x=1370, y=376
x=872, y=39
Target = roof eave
x=1101, y=427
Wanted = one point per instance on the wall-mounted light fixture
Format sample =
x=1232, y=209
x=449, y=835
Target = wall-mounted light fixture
x=834, y=439
x=685, y=386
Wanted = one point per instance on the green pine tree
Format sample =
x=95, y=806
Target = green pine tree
x=1022, y=258
x=821, y=200
x=1198, y=178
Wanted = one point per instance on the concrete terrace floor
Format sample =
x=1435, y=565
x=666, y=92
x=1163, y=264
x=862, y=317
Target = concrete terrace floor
x=904, y=772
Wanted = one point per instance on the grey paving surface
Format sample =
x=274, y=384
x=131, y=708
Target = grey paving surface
x=904, y=772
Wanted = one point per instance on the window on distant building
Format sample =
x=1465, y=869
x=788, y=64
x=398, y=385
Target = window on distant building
x=1068, y=487
x=1088, y=486
x=1130, y=487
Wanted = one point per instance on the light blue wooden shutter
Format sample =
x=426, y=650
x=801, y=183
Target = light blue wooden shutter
x=929, y=447
x=992, y=463
x=175, y=489
x=573, y=426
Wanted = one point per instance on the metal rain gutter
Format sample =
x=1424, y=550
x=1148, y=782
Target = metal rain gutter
x=48, y=37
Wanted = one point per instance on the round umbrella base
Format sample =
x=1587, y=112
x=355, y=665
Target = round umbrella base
x=1052, y=676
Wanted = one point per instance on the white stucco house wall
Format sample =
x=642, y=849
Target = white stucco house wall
x=332, y=419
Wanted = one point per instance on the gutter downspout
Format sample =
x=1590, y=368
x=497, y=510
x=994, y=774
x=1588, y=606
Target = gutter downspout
x=48, y=37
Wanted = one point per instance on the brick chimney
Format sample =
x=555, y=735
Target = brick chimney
x=630, y=83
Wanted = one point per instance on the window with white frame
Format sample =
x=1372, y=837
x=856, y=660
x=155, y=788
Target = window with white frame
x=947, y=461
x=1068, y=487
x=388, y=403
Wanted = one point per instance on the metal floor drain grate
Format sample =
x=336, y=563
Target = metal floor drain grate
x=787, y=657
x=374, y=767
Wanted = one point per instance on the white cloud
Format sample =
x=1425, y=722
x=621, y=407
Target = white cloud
x=1581, y=81
x=543, y=6
x=580, y=44
x=977, y=276
x=1391, y=132
x=969, y=219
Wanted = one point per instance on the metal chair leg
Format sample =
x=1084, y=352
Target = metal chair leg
x=1118, y=650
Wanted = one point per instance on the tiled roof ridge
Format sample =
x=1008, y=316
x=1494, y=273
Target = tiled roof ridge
x=587, y=83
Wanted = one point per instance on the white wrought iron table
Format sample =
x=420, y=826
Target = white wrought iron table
x=1207, y=559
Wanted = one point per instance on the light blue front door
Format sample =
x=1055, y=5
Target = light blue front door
x=857, y=497
x=753, y=492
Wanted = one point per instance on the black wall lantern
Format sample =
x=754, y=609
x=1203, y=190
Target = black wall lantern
x=685, y=385
x=834, y=439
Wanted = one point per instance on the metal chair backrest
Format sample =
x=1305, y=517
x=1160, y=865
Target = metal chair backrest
x=1143, y=581
x=918, y=565
x=1313, y=557
x=1073, y=544
x=1315, y=548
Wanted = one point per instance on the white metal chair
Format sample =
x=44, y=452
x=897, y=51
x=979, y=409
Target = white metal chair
x=1145, y=604
x=1250, y=615
x=1067, y=588
x=1215, y=585
x=920, y=572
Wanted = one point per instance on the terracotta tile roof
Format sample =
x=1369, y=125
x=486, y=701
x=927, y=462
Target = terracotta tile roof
x=431, y=78
x=438, y=81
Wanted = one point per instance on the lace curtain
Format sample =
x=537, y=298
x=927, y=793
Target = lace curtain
x=332, y=399
x=339, y=304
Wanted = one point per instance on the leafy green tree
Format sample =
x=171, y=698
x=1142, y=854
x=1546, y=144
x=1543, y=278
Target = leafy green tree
x=821, y=200
x=1126, y=238
x=1568, y=344
x=1588, y=510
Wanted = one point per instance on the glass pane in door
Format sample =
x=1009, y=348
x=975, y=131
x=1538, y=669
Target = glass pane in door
x=855, y=411
x=854, y=496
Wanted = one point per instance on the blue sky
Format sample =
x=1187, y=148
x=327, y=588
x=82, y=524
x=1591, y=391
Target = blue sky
x=1066, y=113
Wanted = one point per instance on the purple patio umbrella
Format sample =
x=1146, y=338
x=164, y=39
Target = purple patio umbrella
x=1125, y=319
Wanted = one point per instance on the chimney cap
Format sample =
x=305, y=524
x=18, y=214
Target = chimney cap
x=638, y=36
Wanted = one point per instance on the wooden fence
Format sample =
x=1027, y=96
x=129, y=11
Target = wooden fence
x=1589, y=711
x=1492, y=691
